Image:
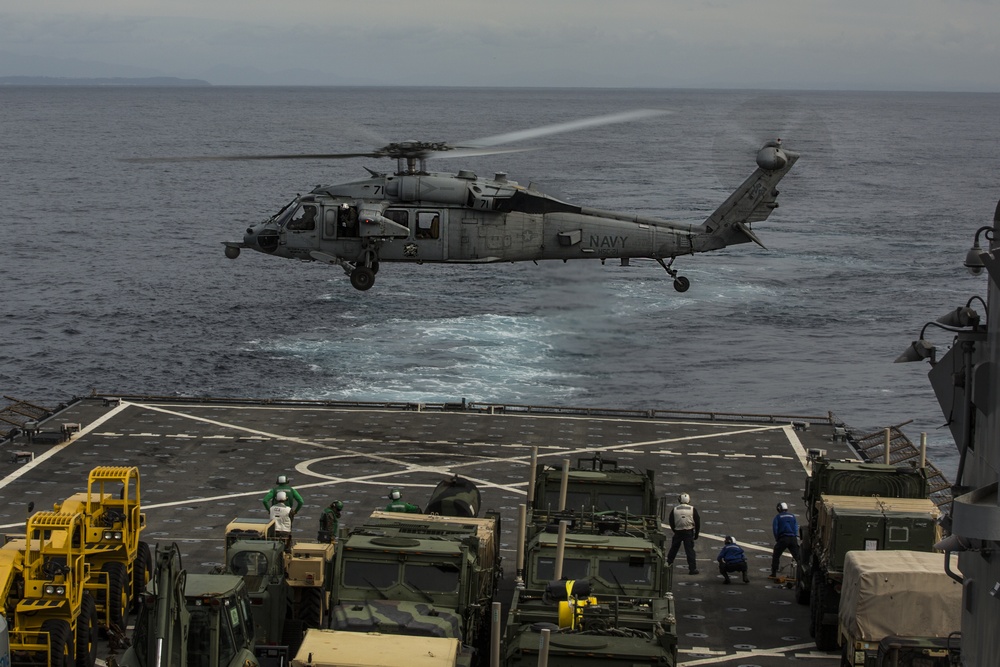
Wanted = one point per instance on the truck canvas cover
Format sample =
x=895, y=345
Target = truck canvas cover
x=332, y=648
x=903, y=593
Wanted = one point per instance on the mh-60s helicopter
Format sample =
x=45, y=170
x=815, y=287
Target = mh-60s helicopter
x=414, y=215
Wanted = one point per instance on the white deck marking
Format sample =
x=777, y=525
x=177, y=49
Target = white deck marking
x=776, y=652
x=45, y=456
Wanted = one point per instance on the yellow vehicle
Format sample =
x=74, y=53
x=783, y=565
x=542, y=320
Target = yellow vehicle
x=120, y=563
x=43, y=577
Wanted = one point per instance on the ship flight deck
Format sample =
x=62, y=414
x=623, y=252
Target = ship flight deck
x=204, y=462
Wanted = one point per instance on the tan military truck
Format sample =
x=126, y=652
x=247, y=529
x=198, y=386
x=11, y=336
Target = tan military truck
x=900, y=595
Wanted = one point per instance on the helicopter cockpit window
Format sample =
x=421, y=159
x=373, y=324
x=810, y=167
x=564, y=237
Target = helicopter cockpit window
x=428, y=225
x=304, y=218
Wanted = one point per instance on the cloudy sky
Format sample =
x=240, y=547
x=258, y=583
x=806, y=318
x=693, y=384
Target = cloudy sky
x=948, y=45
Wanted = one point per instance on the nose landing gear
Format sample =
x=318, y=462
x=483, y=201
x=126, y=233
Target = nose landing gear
x=681, y=284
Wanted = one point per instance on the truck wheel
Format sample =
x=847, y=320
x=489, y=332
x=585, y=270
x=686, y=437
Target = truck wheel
x=60, y=646
x=826, y=635
x=117, y=603
x=86, y=632
x=142, y=569
x=801, y=590
x=311, y=607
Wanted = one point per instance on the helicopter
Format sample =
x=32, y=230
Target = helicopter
x=413, y=215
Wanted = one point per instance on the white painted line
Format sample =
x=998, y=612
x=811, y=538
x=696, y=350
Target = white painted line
x=45, y=456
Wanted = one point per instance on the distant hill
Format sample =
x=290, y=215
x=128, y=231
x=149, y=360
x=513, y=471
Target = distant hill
x=109, y=81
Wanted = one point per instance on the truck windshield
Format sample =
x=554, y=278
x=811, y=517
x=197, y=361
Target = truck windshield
x=573, y=568
x=431, y=578
x=362, y=574
x=625, y=573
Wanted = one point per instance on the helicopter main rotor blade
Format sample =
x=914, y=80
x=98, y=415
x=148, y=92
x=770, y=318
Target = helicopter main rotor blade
x=558, y=128
x=238, y=158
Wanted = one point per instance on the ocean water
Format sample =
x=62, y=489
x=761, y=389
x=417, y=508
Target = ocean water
x=112, y=274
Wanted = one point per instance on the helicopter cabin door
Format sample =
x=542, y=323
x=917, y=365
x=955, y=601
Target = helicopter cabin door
x=340, y=235
x=428, y=235
x=300, y=229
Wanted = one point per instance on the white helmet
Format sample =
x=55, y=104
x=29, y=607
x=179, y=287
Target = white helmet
x=282, y=479
x=684, y=499
x=395, y=494
x=782, y=507
x=281, y=496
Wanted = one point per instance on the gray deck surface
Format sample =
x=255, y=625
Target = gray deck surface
x=204, y=463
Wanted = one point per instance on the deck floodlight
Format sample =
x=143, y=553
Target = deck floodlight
x=918, y=351
x=960, y=317
x=973, y=258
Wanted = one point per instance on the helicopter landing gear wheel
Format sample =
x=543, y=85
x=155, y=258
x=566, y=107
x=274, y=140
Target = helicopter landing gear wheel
x=362, y=278
x=681, y=284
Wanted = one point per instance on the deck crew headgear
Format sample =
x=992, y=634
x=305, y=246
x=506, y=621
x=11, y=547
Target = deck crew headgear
x=282, y=479
x=782, y=507
x=684, y=499
x=395, y=494
x=281, y=496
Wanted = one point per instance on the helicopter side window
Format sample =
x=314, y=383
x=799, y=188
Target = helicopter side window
x=304, y=219
x=399, y=216
x=428, y=225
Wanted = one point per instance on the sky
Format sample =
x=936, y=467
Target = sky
x=946, y=45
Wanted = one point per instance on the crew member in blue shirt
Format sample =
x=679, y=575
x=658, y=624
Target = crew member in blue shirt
x=786, y=536
x=732, y=559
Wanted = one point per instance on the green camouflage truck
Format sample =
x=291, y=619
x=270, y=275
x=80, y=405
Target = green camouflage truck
x=419, y=574
x=852, y=505
x=612, y=603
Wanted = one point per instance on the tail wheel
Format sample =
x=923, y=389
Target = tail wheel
x=311, y=607
x=142, y=569
x=117, y=604
x=60, y=643
x=86, y=632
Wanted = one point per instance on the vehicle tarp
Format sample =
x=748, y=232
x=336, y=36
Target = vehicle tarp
x=334, y=648
x=903, y=593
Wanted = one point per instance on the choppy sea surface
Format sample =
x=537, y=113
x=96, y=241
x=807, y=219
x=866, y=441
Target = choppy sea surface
x=112, y=274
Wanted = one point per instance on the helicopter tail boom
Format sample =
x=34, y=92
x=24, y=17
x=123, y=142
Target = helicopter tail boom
x=751, y=202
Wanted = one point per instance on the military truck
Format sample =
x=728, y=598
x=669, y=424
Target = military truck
x=419, y=574
x=590, y=630
x=191, y=620
x=898, y=608
x=118, y=560
x=613, y=535
x=335, y=648
x=50, y=615
x=852, y=505
x=595, y=485
x=595, y=572
x=278, y=579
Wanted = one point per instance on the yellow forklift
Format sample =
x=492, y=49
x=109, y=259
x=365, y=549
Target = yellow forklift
x=43, y=577
x=120, y=563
